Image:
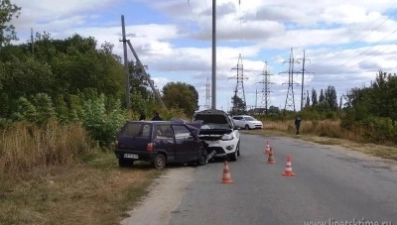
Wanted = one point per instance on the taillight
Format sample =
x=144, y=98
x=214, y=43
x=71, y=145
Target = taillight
x=149, y=147
x=116, y=143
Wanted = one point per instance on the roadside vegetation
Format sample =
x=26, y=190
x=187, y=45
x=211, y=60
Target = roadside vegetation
x=61, y=105
x=364, y=115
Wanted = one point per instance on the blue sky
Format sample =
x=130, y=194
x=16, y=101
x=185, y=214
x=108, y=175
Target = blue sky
x=345, y=43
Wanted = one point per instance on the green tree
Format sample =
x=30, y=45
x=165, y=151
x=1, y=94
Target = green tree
x=239, y=105
x=322, y=97
x=331, y=97
x=8, y=12
x=181, y=96
x=307, y=104
x=314, y=97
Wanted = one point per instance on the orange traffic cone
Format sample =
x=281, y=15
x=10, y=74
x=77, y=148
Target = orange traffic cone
x=271, y=159
x=267, y=150
x=226, y=179
x=288, y=170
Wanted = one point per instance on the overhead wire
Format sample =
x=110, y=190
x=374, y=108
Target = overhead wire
x=371, y=31
x=370, y=47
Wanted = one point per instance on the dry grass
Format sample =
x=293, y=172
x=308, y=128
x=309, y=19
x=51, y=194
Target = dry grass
x=56, y=175
x=23, y=147
x=330, y=133
x=95, y=193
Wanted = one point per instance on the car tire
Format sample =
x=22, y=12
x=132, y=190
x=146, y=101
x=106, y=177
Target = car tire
x=247, y=127
x=238, y=149
x=159, y=161
x=202, y=159
x=125, y=163
x=233, y=156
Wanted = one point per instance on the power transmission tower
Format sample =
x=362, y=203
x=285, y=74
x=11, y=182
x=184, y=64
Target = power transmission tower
x=303, y=76
x=239, y=90
x=290, y=100
x=265, y=101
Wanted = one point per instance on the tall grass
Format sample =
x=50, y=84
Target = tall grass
x=325, y=128
x=24, y=147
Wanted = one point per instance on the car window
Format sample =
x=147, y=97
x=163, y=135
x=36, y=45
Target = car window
x=237, y=118
x=136, y=130
x=163, y=131
x=181, y=132
x=249, y=118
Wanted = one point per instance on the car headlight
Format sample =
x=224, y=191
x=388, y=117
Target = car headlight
x=227, y=137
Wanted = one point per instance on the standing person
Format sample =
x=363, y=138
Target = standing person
x=142, y=117
x=297, y=123
x=156, y=116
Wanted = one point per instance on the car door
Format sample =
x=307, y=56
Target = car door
x=164, y=140
x=237, y=121
x=186, y=147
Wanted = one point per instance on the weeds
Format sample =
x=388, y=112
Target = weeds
x=24, y=146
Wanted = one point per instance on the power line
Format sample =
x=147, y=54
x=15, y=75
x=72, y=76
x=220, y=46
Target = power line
x=371, y=46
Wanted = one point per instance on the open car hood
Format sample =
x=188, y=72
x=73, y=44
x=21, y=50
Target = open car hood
x=194, y=127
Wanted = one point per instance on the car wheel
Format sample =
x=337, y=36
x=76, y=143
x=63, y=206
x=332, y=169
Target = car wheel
x=233, y=156
x=202, y=160
x=247, y=127
x=159, y=161
x=125, y=163
x=238, y=149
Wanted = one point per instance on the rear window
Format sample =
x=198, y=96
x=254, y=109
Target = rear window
x=136, y=130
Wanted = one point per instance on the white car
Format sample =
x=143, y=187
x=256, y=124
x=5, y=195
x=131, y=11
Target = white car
x=220, y=133
x=247, y=122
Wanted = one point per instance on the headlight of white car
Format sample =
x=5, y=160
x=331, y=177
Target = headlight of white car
x=227, y=137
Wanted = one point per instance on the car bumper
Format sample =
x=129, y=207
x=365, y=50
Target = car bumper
x=134, y=155
x=222, y=148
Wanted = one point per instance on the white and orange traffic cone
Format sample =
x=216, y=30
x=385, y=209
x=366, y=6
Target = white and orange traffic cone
x=226, y=179
x=271, y=159
x=267, y=150
x=288, y=170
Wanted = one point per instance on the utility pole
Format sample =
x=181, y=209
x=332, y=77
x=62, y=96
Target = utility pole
x=265, y=88
x=32, y=40
x=138, y=61
x=126, y=70
x=213, y=105
x=303, y=77
x=141, y=66
x=207, y=94
x=290, y=99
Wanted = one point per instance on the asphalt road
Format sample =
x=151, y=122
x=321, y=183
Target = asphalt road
x=331, y=185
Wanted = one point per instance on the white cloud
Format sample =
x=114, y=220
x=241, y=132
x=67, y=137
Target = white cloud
x=344, y=39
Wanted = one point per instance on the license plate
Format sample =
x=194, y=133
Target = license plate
x=131, y=156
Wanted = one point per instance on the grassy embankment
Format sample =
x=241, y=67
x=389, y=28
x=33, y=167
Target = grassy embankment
x=59, y=176
x=330, y=133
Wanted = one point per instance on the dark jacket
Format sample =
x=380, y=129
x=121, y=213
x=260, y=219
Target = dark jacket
x=157, y=118
x=298, y=120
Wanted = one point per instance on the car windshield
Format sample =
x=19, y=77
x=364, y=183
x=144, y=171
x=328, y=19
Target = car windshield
x=249, y=118
x=213, y=126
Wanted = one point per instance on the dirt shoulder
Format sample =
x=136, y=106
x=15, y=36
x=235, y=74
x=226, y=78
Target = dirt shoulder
x=381, y=151
x=165, y=195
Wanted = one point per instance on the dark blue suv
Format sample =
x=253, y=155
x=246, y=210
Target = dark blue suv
x=160, y=142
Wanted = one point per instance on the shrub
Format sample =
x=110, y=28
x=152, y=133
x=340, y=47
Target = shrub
x=100, y=124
